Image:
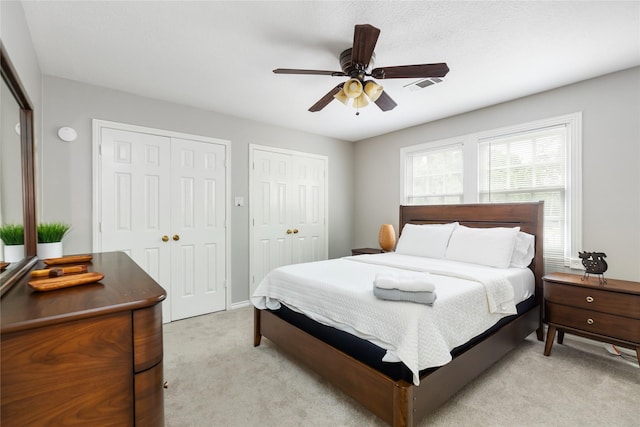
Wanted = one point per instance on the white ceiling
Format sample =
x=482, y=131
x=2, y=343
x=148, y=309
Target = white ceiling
x=219, y=55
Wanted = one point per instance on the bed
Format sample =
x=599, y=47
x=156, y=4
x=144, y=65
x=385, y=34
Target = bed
x=391, y=390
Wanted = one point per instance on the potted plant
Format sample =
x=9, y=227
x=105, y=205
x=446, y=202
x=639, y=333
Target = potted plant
x=12, y=235
x=50, y=236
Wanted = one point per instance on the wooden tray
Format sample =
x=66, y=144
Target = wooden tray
x=68, y=259
x=65, y=281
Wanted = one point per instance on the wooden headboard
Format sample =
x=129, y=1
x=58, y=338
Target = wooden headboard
x=527, y=216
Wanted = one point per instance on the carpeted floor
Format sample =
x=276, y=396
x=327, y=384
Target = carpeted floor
x=217, y=378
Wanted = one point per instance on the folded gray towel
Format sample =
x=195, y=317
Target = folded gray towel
x=398, y=295
x=410, y=281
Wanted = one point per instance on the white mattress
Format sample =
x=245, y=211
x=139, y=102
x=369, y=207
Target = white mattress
x=339, y=293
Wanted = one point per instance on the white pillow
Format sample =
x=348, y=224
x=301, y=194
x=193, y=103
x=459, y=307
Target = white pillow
x=427, y=240
x=492, y=247
x=523, y=250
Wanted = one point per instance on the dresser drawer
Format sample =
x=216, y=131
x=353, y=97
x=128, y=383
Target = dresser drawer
x=75, y=373
x=147, y=337
x=149, y=392
x=594, y=322
x=593, y=299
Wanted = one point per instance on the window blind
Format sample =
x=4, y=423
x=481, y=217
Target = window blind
x=530, y=166
x=434, y=176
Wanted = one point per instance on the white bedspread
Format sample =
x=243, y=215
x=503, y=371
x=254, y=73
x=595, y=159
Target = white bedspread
x=338, y=293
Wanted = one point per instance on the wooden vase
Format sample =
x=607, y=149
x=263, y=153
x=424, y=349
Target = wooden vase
x=387, y=237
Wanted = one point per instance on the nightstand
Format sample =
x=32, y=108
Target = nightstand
x=608, y=312
x=366, y=251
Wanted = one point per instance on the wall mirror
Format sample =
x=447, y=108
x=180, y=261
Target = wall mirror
x=17, y=185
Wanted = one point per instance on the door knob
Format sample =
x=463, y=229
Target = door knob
x=165, y=238
x=295, y=231
x=289, y=231
x=176, y=237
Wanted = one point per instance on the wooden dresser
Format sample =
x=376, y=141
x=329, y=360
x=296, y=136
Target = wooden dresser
x=608, y=312
x=89, y=355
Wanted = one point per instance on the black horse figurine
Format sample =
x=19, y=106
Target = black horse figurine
x=594, y=263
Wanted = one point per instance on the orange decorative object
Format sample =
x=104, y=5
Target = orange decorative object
x=387, y=237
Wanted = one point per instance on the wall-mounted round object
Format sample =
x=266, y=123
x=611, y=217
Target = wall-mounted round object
x=18, y=128
x=67, y=134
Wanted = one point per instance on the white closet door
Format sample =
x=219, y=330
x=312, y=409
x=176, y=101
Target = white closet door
x=135, y=200
x=271, y=203
x=162, y=200
x=288, y=210
x=198, y=223
x=308, y=214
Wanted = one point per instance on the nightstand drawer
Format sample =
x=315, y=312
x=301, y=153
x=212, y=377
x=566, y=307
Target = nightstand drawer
x=594, y=322
x=593, y=299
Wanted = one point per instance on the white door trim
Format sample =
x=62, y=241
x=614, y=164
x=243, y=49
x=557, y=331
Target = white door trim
x=98, y=125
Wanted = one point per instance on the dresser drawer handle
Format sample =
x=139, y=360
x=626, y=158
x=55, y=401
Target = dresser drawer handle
x=589, y=321
x=589, y=299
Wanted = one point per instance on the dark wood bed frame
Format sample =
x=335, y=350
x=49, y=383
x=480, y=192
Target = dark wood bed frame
x=401, y=403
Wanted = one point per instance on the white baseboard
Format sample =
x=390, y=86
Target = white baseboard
x=241, y=304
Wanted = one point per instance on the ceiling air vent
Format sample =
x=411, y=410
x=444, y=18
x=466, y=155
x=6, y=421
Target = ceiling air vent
x=421, y=84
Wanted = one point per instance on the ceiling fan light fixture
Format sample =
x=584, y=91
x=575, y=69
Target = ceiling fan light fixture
x=352, y=88
x=342, y=97
x=373, y=90
x=356, y=63
x=361, y=101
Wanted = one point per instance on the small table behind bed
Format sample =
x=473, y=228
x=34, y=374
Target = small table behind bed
x=399, y=402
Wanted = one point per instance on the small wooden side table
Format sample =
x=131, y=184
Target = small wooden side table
x=366, y=251
x=608, y=312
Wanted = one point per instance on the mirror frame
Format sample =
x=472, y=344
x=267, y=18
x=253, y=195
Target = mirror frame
x=10, y=76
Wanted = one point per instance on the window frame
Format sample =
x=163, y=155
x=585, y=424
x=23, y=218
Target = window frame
x=471, y=180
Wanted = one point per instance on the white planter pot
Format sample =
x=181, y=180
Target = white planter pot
x=13, y=253
x=49, y=250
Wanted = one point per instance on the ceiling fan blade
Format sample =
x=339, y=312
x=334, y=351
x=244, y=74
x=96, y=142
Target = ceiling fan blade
x=411, y=71
x=365, y=38
x=385, y=102
x=312, y=72
x=325, y=100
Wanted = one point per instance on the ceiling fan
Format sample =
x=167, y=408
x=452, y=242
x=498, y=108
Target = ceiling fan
x=355, y=63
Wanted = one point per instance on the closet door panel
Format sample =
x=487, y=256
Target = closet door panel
x=135, y=200
x=198, y=218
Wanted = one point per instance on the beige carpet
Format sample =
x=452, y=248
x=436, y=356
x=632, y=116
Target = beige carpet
x=217, y=378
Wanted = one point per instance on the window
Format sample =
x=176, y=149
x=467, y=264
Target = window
x=434, y=175
x=528, y=162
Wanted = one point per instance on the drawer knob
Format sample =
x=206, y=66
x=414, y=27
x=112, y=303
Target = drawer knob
x=589, y=299
x=589, y=321
x=166, y=384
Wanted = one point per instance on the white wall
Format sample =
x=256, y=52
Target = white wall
x=611, y=158
x=17, y=42
x=67, y=167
